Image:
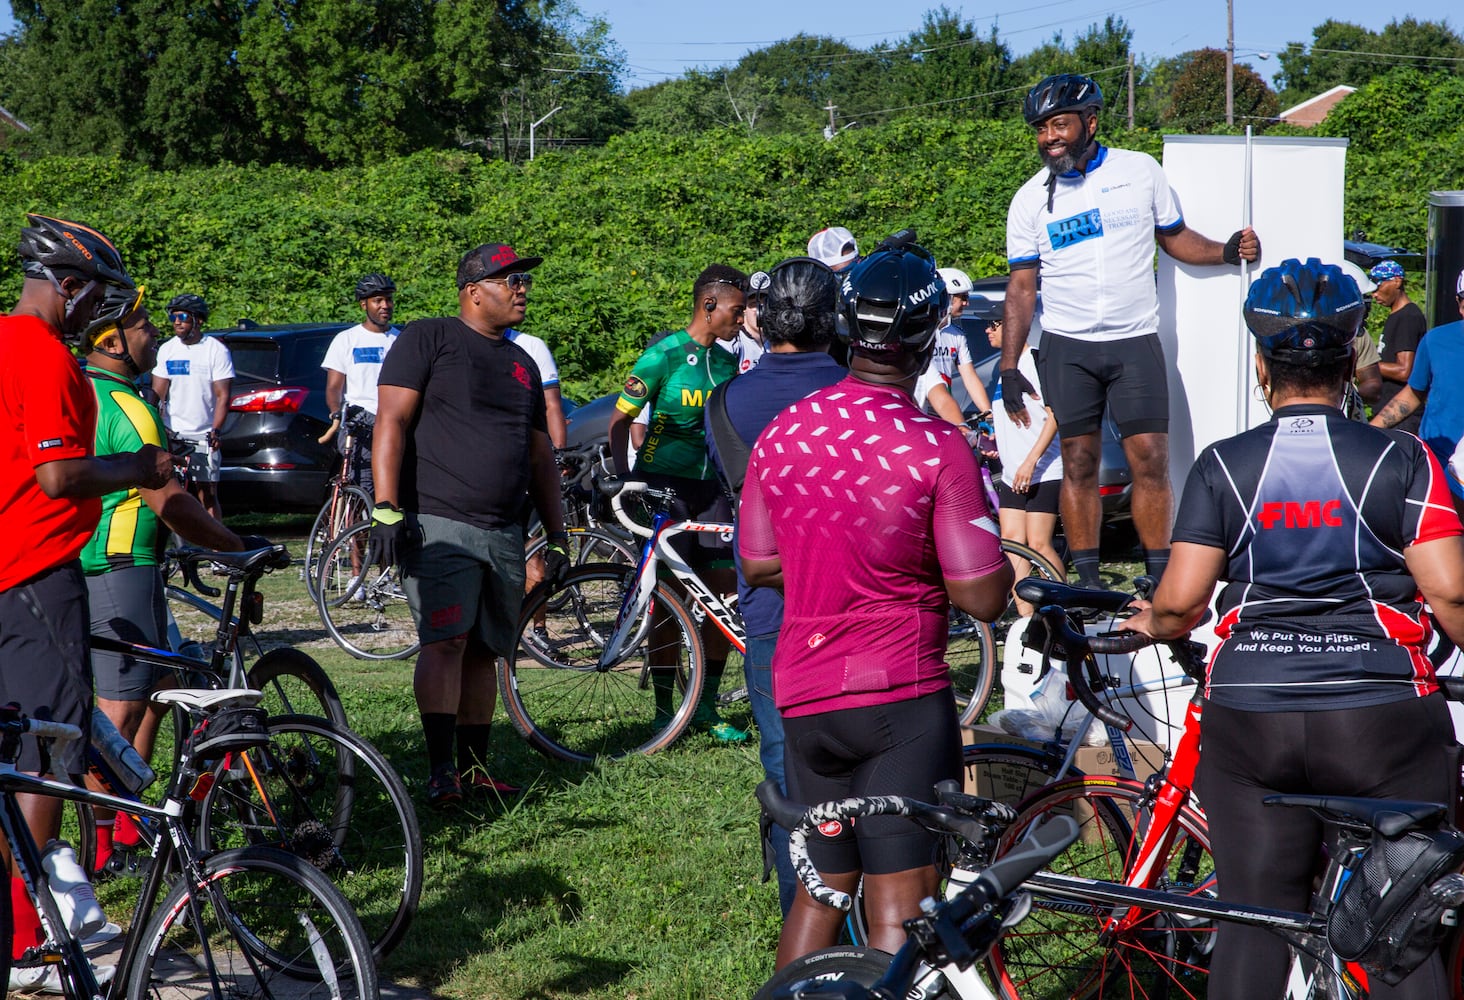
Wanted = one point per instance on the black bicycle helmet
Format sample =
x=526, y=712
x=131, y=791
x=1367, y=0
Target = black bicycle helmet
x=1059, y=93
x=892, y=301
x=117, y=304
x=191, y=304
x=48, y=246
x=374, y=284
x=1304, y=314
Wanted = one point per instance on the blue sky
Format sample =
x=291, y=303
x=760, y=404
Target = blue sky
x=662, y=38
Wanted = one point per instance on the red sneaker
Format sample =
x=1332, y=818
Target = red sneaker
x=475, y=781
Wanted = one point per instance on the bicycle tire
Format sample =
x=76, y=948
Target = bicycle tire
x=567, y=706
x=589, y=545
x=1037, y=566
x=336, y=515
x=271, y=918
x=368, y=616
x=844, y=964
x=971, y=656
x=1056, y=952
x=332, y=799
x=295, y=684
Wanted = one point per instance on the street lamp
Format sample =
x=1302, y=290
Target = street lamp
x=536, y=124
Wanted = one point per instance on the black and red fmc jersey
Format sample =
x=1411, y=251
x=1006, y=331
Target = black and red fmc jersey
x=1314, y=512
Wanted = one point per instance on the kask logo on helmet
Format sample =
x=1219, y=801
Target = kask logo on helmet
x=921, y=294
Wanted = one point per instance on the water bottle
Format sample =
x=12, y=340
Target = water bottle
x=126, y=763
x=71, y=890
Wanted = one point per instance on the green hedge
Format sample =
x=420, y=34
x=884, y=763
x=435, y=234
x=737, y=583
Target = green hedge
x=624, y=229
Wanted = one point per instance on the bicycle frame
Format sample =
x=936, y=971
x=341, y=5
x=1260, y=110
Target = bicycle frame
x=658, y=549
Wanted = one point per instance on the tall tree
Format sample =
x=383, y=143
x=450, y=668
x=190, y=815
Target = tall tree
x=1345, y=53
x=1198, y=99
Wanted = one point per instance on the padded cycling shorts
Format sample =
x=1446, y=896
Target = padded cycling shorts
x=128, y=604
x=1127, y=376
x=902, y=748
x=1040, y=498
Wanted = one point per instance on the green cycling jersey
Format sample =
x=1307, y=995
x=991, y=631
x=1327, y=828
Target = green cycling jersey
x=674, y=377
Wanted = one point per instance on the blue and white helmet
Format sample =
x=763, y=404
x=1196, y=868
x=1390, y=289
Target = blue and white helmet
x=1306, y=314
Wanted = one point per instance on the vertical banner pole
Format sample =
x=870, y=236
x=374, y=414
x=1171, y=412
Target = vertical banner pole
x=1242, y=404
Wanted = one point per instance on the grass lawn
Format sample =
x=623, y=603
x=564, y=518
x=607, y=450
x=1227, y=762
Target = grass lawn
x=632, y=880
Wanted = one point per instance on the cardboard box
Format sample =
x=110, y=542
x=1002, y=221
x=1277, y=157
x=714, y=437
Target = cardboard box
x=1011, y=783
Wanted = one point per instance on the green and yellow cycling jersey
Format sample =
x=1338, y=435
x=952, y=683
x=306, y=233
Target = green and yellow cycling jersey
x=128, y=533
x=674, y=377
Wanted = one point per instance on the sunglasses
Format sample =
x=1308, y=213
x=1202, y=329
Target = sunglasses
x=518, y=281
x=179, y=317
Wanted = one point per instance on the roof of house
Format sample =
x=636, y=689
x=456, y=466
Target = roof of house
x=1328, y=97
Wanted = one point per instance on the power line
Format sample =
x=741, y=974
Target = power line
x=970, y=97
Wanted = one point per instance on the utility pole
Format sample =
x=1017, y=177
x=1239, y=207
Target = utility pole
x=1131, y=90
x=1229, y=62
x=830, y=131
x=536, y=124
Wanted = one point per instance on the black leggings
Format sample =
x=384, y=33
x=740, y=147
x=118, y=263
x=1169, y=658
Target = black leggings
x=1267, y=855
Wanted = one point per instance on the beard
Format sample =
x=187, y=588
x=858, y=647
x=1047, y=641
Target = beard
x=1067, y=162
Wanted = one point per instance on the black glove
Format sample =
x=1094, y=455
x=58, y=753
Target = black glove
x=1013, y=385
x=556, y=559
x=388, y=533
x=1231, y=253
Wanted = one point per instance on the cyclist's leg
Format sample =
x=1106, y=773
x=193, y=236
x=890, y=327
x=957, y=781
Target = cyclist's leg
x=1139, y=402
x=1075, y=381
x=757, y=670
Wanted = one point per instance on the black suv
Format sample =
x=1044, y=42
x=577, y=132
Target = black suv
x=272, y=456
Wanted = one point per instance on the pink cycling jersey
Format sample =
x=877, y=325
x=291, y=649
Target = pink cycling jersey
x=871, y=506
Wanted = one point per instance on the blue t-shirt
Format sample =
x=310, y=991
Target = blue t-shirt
x=1438, y=369
x=754, y=398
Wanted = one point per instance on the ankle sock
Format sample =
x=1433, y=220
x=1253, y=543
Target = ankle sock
x=1155, y=562
x=1085, y=562
x=472, y=747
x=438, y=729
x=28, y=933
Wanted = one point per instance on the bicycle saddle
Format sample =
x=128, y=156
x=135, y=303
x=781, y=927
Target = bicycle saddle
x=1389, y=817
x=1045, y=592
x=274, y=556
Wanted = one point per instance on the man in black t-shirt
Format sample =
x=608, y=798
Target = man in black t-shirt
x=452, y=513
x=1402, y=331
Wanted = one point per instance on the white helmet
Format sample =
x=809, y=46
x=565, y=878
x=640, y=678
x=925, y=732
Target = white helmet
x=956, y=280
x=1365, y=284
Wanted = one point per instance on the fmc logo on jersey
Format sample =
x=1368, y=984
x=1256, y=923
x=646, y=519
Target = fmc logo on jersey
x=1074, y=230
x=1303, y=514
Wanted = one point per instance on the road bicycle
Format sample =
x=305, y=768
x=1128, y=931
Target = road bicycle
x=345, y=505
x=948, y=939
x=313, y=788
x=254, y=922
x=1132, y=910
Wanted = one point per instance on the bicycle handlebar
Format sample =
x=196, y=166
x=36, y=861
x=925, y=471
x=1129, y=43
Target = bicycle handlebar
x=44, y=729
x=970, y=818
x=617, y=489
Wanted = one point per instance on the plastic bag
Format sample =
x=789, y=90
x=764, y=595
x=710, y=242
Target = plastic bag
x=1051, y=711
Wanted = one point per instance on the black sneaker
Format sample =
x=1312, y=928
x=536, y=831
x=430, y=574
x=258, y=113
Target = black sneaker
x=444, y=788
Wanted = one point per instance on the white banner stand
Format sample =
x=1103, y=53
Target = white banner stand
x=1290, y=190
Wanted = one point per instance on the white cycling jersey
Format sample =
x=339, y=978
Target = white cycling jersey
x=1095, y=247
x=951, y=351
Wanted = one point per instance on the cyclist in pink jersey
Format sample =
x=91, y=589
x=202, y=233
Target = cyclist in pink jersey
x=870, y=516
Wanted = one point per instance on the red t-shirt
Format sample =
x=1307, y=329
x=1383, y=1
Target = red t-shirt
x=47, y=413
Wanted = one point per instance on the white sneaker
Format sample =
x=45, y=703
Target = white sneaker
x=47, y=978
x=356, y=589
x=107, y=932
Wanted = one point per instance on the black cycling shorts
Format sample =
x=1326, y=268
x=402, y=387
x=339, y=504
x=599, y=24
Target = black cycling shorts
x=696, y=500
x=128, y=604
x=1128, y=377
x=44, y=661
x=902, y=748
x=1040, y=498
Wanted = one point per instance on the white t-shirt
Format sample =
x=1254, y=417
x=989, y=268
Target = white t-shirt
x=191, y=373
x=1096, y=246
x=748, y=349
x=1014, y=443
x=951, y=351
x=357, y=353
x=539, y=351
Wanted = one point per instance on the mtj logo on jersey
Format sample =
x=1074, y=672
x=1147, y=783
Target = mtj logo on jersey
x=1068, y=232
x=368, y=355
x=179, y=367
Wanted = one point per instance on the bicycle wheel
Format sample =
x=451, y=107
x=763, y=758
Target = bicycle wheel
x=971, y=655
x=1036, y=566
x=590, y=545
x=294, y=684
x=858, y=965
x=262, y=916
x=352, y=506
x=323, y=793
x=1057, y=952
x=366, y=614
x=568, y=704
